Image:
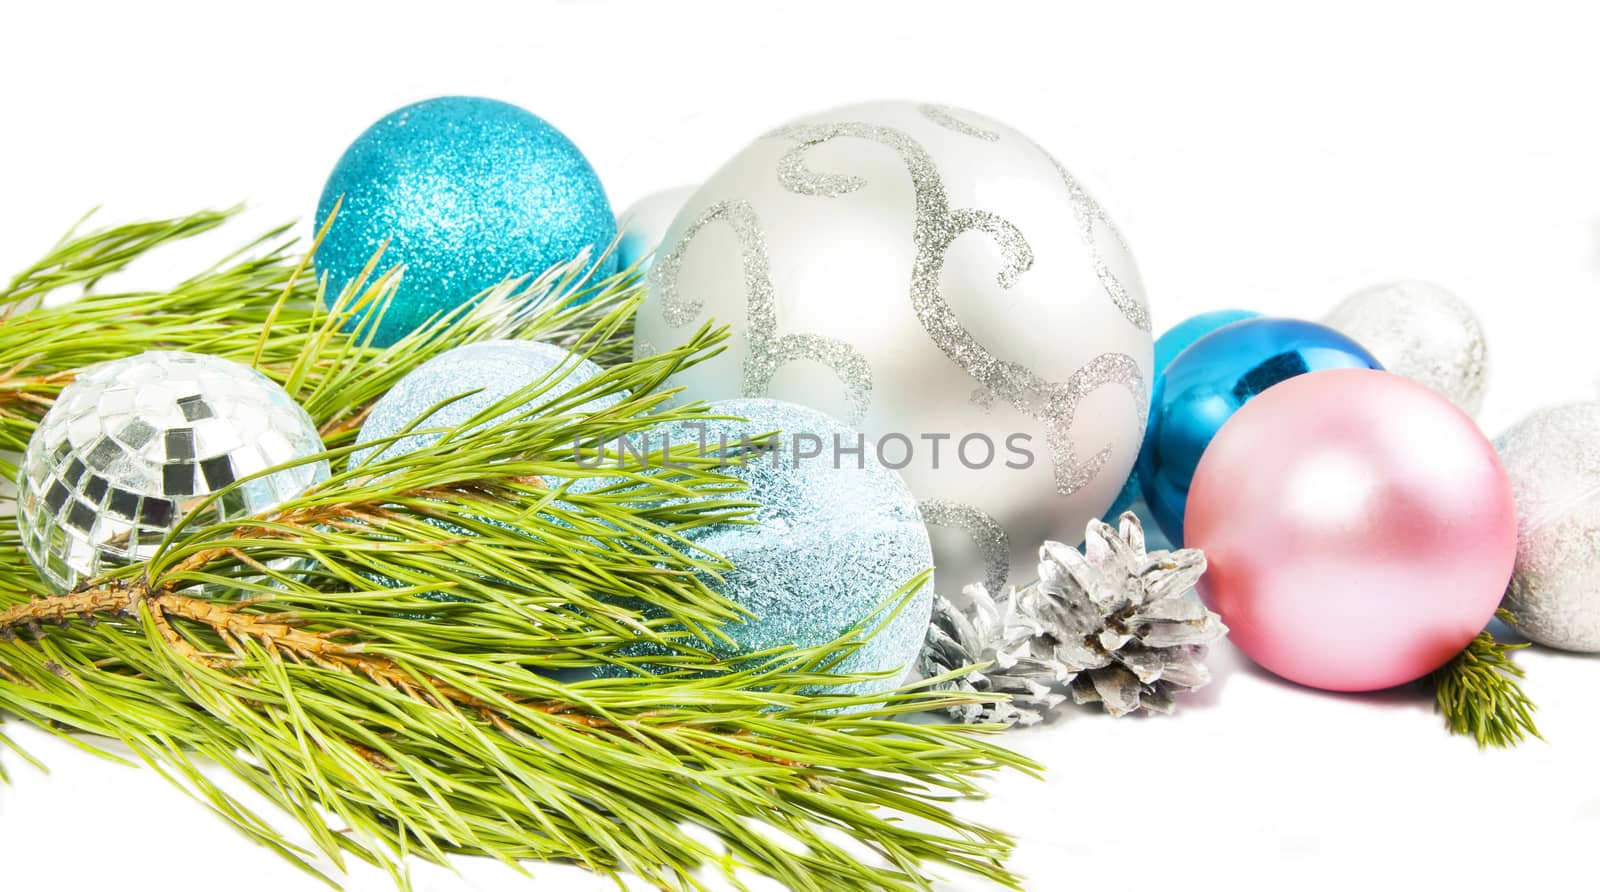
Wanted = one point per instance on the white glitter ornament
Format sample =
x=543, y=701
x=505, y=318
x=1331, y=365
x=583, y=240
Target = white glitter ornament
x=1422, y=332
x=935, y=279
x=641, y=227
x=1554, y=465
x=134, y=445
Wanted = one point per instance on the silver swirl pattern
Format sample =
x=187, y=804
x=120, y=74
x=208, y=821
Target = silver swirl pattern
x=949, y=119
x=1088, y=212
x=935, y=228
x=986, y=532
x=767, y=350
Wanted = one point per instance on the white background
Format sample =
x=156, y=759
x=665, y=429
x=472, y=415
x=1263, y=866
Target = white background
x=1255, y=156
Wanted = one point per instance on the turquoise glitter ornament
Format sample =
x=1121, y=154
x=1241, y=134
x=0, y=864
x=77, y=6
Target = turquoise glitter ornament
x=834, y=538
x=467, y=192
x=476, y=376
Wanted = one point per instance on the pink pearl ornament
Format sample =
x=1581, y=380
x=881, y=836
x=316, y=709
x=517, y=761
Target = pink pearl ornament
x=1359, y=529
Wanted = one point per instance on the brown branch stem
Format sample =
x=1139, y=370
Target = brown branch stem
x=345, y=423
x=279, y=633
x=15, y=391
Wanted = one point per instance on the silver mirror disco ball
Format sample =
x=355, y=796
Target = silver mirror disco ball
x=134, y=445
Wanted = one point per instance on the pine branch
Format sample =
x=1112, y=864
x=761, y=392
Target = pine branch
x=83, y=260
x=227, y=310
x=47, y=332
x=307, y=652
x=1478, y=694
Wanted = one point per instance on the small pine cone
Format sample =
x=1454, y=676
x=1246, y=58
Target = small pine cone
x=1110, y=625
x=994, y=633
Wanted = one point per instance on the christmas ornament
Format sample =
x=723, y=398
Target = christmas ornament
x=475, y=377
x=1359, y=529
x=937, y=279
x=831, y=542
x=1179, y=337
x=642, y=225
x=1555, y=477
x=1208, y=382
x=1168, y=346
x=461, y=384
x=1423, y=332
x=466, y=192
x=1109, y=626
x=468, y=722
x=135, y=445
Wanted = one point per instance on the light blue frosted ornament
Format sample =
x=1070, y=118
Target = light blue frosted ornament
x=1208, y=382
x=1176, y=340
x=476, y=377
x=468, y=192
x=832, y=542
x=495, y=370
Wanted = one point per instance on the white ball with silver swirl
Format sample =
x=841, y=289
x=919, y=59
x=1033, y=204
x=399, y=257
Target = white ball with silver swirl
x=1112, y=625
x=133, y=446
x=1553, y=460
x=1420, y=331
x=936, y=280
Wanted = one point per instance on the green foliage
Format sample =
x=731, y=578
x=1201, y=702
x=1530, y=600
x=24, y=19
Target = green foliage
x=302, y=651
x=1478, y=694
x=44, y=338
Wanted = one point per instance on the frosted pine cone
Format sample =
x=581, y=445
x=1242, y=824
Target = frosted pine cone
x=1110, y=625
x=992, y=632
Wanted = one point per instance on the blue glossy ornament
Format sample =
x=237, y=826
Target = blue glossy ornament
x=468, y=192
x=475, y=377
x=1208, y=382
x=1178, y=338
x=831, y=543
x=1167, y=347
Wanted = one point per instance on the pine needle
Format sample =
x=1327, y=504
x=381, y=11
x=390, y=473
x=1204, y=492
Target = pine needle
x=48, y=331
x=1478, y=694
x=561, y=704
